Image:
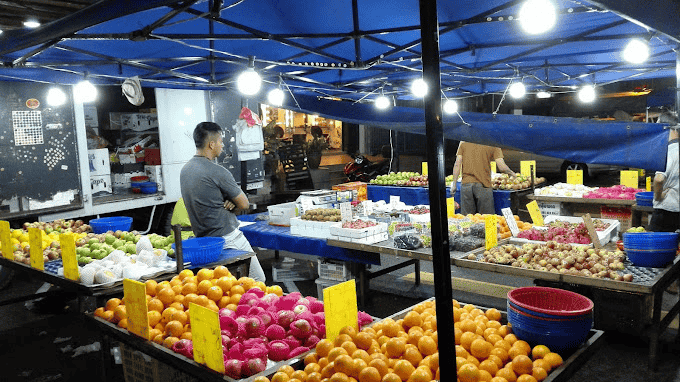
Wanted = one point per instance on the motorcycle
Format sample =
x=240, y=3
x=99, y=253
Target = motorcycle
x=363, y=170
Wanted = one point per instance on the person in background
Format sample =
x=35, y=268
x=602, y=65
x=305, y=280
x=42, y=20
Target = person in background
x=476, y=194
x=212, y=196
x=666, y=215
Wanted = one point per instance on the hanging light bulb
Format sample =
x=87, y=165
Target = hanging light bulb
x=636, y=51
x=450, y=106
x=517, y=90
x=56, y=97
x=543, y=94
x=587, y=94
x=249, y=82
x=31, y=24
x=85, y=92
x=537, y=16
x=275, y=97
x=382, y=102
x=419, y=88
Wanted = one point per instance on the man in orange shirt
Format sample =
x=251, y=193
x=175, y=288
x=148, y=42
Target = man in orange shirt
x=476, y=194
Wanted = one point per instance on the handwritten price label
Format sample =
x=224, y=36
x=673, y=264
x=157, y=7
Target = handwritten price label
x=535, y=213
x=491, y=236
x=575, y=176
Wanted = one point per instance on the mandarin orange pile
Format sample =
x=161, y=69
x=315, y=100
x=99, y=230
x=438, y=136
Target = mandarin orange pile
x=168, y=301
x=406, y=350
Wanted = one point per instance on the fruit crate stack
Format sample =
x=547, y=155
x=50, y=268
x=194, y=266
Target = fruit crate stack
x=293, y=270
x=331, y=272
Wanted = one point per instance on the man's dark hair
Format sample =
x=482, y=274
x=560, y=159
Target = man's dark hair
x=202, y=132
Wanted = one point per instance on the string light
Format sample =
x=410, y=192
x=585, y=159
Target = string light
x=419, y=88
x=537, y=16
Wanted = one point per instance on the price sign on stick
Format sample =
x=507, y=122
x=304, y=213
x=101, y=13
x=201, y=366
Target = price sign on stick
x=340, y=308
x=136, y=308
x=493, y=167
x=629, y=178
x=394, y=199
x=5, y=240
x=591, y=231
x=35, y=241
x=525, y=167
x=491, y=236
x=535, y=213
x=68, y=256
x=346, y=211
x=207, y=337
x=648, y=184
x=368, y=207
x=510, y=221
x=575, y=176
x=424, y=167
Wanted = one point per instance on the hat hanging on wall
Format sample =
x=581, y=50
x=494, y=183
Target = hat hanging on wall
x=132, y=89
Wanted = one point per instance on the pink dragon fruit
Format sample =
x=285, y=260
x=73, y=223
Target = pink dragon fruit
x=275, y=332
x=253, y=366
x=297, y=351
x=184, y=347
x=232, y=368
x=316, y=306
x=278, y=351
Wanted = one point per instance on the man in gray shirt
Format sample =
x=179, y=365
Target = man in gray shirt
x=211, y=194
x=666, y=215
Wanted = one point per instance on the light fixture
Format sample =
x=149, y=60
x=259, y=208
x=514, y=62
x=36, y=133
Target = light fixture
x=31, y=24
x=0, y=31
x=537, y=16
x=382, y=102
x=587, y=94
x=450, y=106
x=275, y=97
x=636, y=51
x=85, y=92
x=517, y=90
x=543, y=94
x=249, y=82
x=419, y=88
x=56, y=97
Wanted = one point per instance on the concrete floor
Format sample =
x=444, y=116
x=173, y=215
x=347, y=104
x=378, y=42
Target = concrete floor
x=39, y=343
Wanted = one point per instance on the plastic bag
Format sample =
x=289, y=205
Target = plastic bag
x=408, y=241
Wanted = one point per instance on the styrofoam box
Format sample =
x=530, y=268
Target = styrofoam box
x=368, y=235
x=318, y=230
x=100, y=183
x=422, y=218
x=99, y=162
x=604, y=236
x=280, y=214
x=550, y=208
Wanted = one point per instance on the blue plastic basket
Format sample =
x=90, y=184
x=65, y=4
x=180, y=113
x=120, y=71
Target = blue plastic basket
x=654, y=258
x=650, y=240
x=201, y=250
x=644, y=198
x=114, y=223
x=559, y=336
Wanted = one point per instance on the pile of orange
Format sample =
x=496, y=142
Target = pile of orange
x=406, y=350
x=168, y=301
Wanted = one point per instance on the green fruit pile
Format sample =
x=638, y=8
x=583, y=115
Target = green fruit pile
x=98, y=246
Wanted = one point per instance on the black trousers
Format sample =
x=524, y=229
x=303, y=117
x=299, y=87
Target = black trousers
x=664, y=221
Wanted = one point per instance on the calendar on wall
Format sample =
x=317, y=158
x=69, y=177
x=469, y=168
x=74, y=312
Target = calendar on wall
x=27, y=125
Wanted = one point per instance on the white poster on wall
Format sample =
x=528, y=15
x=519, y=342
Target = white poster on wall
x=91, y=119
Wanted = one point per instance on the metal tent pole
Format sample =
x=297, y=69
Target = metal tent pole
x=429, y=31
x=677, y=91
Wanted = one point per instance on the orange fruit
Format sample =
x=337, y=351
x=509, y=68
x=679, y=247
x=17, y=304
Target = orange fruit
x=214, y=293
x=524, y=345
x=395, y=347
x=498, y=379
x=314, y=377
x=363, y=340
x=190, y=298
x=177, y=306
x=186, y=335
x=185, y=273
x=158, y=339
x=554, y=359
x=481, y=349
x=113, y=303
x=323, y=347
x=177, y=289
x=213, y=306
x=494, y=324
x=473, y=360
x=526, y=378
x=508, y=374
x=504, y=330
x=151, y=287
x=189, y=288
x=174, y=328
x=225, y=283
x=489, y=365
x=543, y=364
x=262, y=379
x=539, y=373
x=466, y=340
x=154, y=317
x=391, y=377
x=237, y=289
x=223, y=302
x=287, y=369
x=370, y=374
x=335, y=352
x=500, y=353
x=220, y=271
x=341, y=339
x=505, y=345
x=123, y=323
x=350, y=331
x=511, y=338
x=427, y=345
x=496, y=360
x=412, y=354
x=155, y=304
x=204, y=274
x=166, y=316
x=493, y=314
x=153, y=333
x=412, y=319
x=119, y=313
x=539, y=351
x=312, y=367
x=390, y=328
x=203, y=287
x=379, y=365
x=234, y=299
x=516, y=350
x=99, y=312
x=350, y=347
x=175, y=281
x=166, y=295
x=343, y=363
x=168, y=342
x=202, y=300
x=403, y=369
x=484, y=376
x=522, y=364
x=280, y=376
x=180, y=316
x=299, y=375
x=468, y=373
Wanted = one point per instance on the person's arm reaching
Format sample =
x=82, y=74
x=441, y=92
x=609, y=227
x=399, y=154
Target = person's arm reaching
x=456, y=172
x=500, y=163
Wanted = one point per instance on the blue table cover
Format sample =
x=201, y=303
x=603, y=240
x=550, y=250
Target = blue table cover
x=263, y=235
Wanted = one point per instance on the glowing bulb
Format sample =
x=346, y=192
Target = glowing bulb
x=249, y=82
x=85, y=92
x=543, y=94
x=450, y=106
x=275, y=97
x=636, y=52
x=419, y=88
x=537, y=16
x=31, y=24
x=517, y=90
x=56, y=97
x=382, y=102
x=587, y=94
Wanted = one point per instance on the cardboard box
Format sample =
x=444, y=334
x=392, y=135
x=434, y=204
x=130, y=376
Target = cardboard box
x=101, y=183
x=623, y=214
x=359, y=189
x=99, y=162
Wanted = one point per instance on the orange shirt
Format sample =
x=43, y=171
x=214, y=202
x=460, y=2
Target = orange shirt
x=476, y=161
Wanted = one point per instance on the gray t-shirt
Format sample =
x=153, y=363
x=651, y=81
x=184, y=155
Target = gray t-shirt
x=205, y=186
x=670, y=184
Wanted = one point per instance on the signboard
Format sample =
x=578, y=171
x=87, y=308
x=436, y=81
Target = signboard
x=510, y=221
x=493, y=167
x=575, y=177
x=629, y=178
x=346, y=211
x=206, y=337
x=525, y=167
x=35, y=241
x=491, y=235
x=5, y=240
x=340, y=308
x=424, y=167
x=68, y=256
x=136, y=307
x=535, y=213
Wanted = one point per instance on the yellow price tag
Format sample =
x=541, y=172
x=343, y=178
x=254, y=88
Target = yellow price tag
x=136, y=307
x=340, y=308
x=35, y=241
x=535, y=213
x=525, y=168
x=5, y=240
x=424, y=167
x=491, y=237
x=629, y=179
x=493, y=167
x=649, y=183
x=575, y=177
x=68, y=256
x=450, y=207
x=207, y=337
